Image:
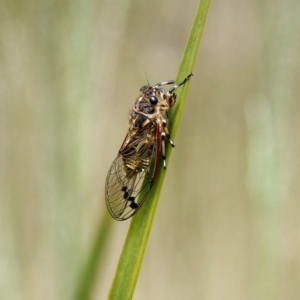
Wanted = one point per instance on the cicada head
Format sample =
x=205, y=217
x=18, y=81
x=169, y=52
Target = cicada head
x=158, y=96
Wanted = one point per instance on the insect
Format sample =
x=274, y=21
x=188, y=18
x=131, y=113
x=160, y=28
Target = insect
x=131, y=173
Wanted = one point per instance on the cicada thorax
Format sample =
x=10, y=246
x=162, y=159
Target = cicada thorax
x=141, y=114
x=137, y=155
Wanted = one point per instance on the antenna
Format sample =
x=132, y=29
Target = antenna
x=147, y=78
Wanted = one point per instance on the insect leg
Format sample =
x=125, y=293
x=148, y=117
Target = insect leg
x=164, y=123
x=165, y=83
x=163, y=148
x=180, y=83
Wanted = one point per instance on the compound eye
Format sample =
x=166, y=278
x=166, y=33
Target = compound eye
x=153, y=100
x=172, y=101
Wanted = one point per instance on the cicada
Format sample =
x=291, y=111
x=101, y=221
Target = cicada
x=134, y=170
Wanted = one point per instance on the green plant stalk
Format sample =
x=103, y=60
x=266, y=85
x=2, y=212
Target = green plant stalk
x=128, y=268
x=89, y=271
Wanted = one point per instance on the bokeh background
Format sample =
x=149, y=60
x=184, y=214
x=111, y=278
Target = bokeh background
x=228, y=221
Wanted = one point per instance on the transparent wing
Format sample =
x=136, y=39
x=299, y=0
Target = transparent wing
x=128, y=176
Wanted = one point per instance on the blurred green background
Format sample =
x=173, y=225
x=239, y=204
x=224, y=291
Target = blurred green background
x=228, y=222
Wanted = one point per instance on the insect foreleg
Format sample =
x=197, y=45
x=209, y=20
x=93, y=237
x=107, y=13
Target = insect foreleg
x=165, y=83
x=180, y=83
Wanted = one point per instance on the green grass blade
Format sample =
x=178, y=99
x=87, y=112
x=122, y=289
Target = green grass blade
x=89, y=271
x=133, y=251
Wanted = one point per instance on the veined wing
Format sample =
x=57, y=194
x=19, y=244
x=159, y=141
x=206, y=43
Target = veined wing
x=128, y=176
